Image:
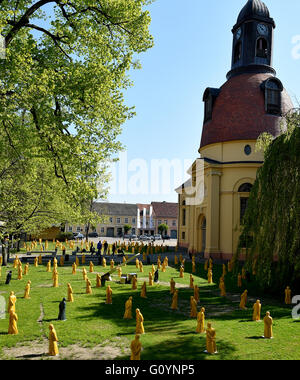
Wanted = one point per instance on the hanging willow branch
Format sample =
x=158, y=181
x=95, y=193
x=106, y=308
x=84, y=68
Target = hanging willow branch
x=272, y=221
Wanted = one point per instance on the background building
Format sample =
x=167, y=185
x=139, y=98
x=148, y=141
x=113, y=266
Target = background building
x=252, y=101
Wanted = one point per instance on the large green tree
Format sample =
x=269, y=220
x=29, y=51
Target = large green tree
x=272, y=220
x=61, y=96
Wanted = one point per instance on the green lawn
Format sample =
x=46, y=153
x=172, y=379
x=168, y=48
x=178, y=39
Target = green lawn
x=168, y=335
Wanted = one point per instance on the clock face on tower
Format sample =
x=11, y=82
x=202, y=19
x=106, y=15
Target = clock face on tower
x=262, y=29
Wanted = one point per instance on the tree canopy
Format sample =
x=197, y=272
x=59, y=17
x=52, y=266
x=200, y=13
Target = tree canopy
x=272, y=220
x=62, y=107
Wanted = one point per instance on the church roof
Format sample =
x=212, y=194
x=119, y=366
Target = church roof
x=239, y=111
x=254, y=9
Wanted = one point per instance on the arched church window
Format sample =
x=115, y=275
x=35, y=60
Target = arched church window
x=245, y=188
x=208, y=108
x=237, y=52
x=262, y=48
x=273, y=91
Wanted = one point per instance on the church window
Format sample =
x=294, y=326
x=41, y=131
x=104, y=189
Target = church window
x=183, y=217
x=209, y=98
x=237, y=52
x=273, y=91
x=245, y=188
x=248, y=150
x=261, y=48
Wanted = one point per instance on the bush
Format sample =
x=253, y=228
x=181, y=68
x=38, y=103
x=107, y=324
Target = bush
x=62, y=236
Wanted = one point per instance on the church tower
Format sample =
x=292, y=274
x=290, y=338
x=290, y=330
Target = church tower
x=252, y=101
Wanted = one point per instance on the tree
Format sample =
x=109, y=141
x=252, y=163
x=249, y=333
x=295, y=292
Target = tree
x=61, y=97
x=272, y=220
x=127, y=228
x=163, y=229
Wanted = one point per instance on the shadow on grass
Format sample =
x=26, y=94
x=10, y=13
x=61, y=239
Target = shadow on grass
x=184, y=348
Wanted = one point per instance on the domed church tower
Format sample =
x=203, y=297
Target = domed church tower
x=252, y=101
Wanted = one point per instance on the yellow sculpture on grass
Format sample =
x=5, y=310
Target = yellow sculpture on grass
x=74, y=267
x=191, y=281
x=104, y=262
x=27, y=290
x=256, y=311
x=128, y=309
x=88, y=289
x=172, y=286
x=84, y=274
x=181, y=272
x=174, y=305
x=209, y=276
x=196, y=293
x=108, y=295
x=48, y=268
x=13, y=319
x=144, y=290
x=136, y=348
x=12, y=302
x=139, y=329
x=243, y=302
x=98, y=281
x=268, y=326
x=53, y=348
x=134, y=283
x=288, y=296
x=55, y=279
x=211, y=346
x=193, y=304
x=70, y=293
x=20, y=272
x=36, y=262
x=150, y=279
x=201, y=321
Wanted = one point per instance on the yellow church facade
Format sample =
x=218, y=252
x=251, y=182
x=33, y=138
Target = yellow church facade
x=252, y=101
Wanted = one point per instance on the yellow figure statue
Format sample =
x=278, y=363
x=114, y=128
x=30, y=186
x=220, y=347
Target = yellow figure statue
x=137, y=263
x=256, y=311
x=55, y=279
x=209, y=276
x=12, y=302
x=158, y=263
x=134, y=283
x=191, y=282
x=108, y=295
x=40, y=259
x=16, y=261
x=98, y=281
x=163, y=267
x=139, y=322
x=77, y=261
x=36, y=262
x=26, y=269
x=88, y=287
x=201, y=321
x=74, y=267
x=128, y=309
x=91, y=267
x=62, y=261
x=53, y=348
x=112, y=264
x=104, y=262
x=196, y=293
x=119, y=272
x=153, y=270
x=55, y=262
x=27, y=290
x=84, y=274
x=136, y=348
x=222, y=288
x=48, y=266
x=193, y=304
x=172, y=286
x=13, y=319
x=268, y=326
x=70, y=293
x=150, y=279
x=144, y=290
x=210, y=264
x=239, y=280
x=288, y=296
x=211, y=347
x=141, y=267
x=20, y=272
x=181, y=272
x=243, y=300
x=83, y=259
x=175, y=260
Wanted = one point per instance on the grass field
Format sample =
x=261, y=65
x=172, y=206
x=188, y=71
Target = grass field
x=98, y=331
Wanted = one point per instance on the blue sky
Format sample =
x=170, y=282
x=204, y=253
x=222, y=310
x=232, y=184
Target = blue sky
x=192, y=51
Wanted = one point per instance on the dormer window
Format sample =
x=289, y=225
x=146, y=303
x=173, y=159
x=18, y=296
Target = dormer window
x=209, y=97
x=273, y=89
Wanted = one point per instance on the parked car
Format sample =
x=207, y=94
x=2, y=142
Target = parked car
x=166, y=237
x=134, y=237
x=157, y=237
x=144, y=237
x=93, y=234
x=79, y=236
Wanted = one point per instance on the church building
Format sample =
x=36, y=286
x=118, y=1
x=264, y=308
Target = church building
x=252, y=101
